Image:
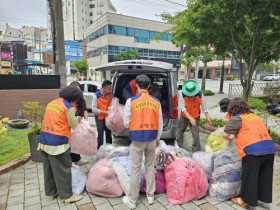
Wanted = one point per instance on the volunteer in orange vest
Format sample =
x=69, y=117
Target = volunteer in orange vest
x=224, y=105
x=100, y=103
x=191, y=102
x=143, y=118
x=130, y=89
x=255, y=147
x=56, y=129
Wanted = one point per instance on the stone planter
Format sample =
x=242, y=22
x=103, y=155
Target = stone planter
x=18, y=123
x=208, y=127
x=36, y=155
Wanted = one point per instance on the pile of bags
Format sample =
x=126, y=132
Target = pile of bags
x=114, y=120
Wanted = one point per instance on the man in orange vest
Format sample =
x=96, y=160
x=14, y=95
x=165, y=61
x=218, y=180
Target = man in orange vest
x=143, y=118
x=256, y=148
x=100, y=103
x=191, y=102
x=130, y=89
x=56, y=129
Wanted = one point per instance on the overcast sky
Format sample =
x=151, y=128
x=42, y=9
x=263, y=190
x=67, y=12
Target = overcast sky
x=20, y=13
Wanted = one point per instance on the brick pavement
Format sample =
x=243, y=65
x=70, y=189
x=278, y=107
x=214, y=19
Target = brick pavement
x=23, y=189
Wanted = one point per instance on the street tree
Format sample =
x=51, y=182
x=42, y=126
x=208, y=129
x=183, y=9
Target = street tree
x=127, y=55
x=82, y=66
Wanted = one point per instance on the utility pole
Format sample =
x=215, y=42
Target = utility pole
x=60, y=66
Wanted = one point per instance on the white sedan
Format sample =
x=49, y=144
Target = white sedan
x=272, y=77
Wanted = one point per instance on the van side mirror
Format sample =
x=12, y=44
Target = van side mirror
x=179, y=87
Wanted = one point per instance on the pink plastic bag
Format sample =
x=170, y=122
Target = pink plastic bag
x=185, y=181
x=114, y=120
x=103, y=181
x=83, y=139
x=160, y=183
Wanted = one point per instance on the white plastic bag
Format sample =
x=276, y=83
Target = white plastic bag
x=79, y=180
x=114, y=120
x=104, y=151
x=83, y=139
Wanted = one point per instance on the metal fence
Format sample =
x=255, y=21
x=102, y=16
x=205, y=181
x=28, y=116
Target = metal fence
x=262, y=89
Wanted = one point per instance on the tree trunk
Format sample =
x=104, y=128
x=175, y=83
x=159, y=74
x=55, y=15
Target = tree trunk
x=203, y=85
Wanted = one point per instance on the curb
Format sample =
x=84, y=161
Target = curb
x=14, y=164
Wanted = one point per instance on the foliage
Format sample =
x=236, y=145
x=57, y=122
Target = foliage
x=3, y=129
x=256, y=103
x=275, y=136
x=208, y=92
x=13, y=145
x=216, y=122
x=78, y=75
x=35, y=111
x=271, y=89
x=249, y=30
x=127, y=55
x=89, y=79
x=230, y=77
x=82, y=66
x=268, y=66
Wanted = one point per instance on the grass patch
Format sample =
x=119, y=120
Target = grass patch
x=13, y=145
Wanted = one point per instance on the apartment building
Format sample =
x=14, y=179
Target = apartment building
x=113, y=33
x=79, y=14
x=36, y=38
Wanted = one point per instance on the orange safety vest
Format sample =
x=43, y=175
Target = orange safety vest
x=192, y=105
x=133, y=87
x=103, y=103
x=253, y=137
x=144, y=122
x=55, y=128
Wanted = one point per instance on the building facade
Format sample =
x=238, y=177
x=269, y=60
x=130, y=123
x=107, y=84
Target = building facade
x=79, y=14
x=113, y=33
x=36, y=38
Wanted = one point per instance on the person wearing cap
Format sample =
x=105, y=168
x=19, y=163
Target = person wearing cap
x=191, y=102
x=143, y=118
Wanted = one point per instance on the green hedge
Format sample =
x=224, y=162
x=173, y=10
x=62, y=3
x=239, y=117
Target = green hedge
x=230, y=77
x=207, y=92
x=256, y=103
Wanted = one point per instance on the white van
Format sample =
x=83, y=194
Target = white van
x=89, y=88
x=160, y=73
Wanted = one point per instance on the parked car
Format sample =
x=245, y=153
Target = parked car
x=89, y=88
x=273, y=106
x=272, y=77
x=160, y=73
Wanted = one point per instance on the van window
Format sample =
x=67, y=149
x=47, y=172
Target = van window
x=83, y=87
x=92, y=88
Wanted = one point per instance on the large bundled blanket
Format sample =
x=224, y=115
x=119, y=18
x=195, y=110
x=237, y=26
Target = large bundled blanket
x=160, y=183
x=215, y=141
x=83, y=139
x=225, y=180
x=185, y=181
x=79, y=180
x=103, y=181
x=119, y=152
x=165, y=154
x=114, y=120
x=104, y=151
x=205, y=160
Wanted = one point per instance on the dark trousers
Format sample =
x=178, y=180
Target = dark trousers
x=75, y=157
x=57, y=174
x=256, y=178
x=183, y=124
x=101, y=127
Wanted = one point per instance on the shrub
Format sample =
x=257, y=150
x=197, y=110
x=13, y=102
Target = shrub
x=230, y=77
x=271, y=89
x=256, y=103
x=89, y=79
x=215, y=122
x=275, y=136
x=207, y=92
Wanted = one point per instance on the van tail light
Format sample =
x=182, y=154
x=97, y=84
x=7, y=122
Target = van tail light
x=174, y=107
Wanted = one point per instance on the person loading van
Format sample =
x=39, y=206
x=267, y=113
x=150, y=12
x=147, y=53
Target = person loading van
x=130, y=89
x=191, y=102
x=101, y=101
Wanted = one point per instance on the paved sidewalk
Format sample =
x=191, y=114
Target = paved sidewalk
x=23, y=188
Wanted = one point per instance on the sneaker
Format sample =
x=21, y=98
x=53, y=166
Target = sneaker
x=82, y=162
x=52, y=197
x=130, y=204
x=73, y=199
x=150, y=199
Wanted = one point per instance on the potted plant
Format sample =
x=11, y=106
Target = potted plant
x=35, y=111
